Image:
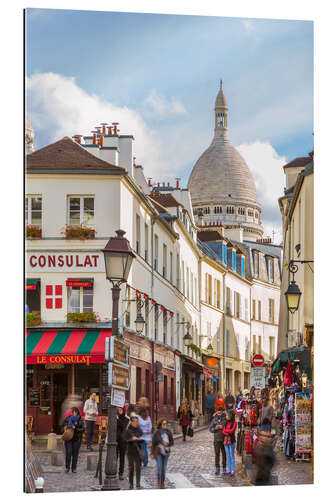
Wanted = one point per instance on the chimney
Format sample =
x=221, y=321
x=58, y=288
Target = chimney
x=168, y=184
x=101, y=141
x=149, y=181
x=158, y=184
x=177, y=182
x=163, y=184
x=77, y=138
x=109, y=130
x=103, y=128
x=134, y=158
x=98, y=130
x=115, y=128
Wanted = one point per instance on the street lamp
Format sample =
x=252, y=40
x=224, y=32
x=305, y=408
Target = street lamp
x=293, y=296
x=209, y=348
x=118, y=257
x=139, y=324
x=188, y=338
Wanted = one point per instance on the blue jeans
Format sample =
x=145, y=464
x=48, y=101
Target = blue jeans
x=162, y=461
x=230, y=452
x=145, y=447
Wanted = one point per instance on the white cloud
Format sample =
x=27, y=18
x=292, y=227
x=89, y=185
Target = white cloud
x=162, y=108
x=266, y=167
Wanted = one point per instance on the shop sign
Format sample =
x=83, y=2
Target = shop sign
x=207, y=373
x=119, y=351
x=212, y=362
x=258, y=377
x=117, y=397
x=65, y=261
x=55, y=366
x=34, y=396
x=64, y=358
x=118, y=377
x=140, y=352
x=80, y=283
x=167, y=360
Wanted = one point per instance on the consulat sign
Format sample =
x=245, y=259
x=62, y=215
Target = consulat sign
x=65, y=261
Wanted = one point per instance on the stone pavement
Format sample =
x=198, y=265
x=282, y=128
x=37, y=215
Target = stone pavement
x=191, y=465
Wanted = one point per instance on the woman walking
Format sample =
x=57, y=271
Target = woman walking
x=184, y=416
x=122, y=423
x=145, y=426
x=229, y=430
x=133, y=437
x=72, y=447
x=162, y=440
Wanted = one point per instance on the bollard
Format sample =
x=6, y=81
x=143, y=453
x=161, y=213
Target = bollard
x=91, y=462
x=57, y=458
x=52, y=441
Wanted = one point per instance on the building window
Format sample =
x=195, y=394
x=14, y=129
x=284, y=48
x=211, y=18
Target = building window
x=191, y=287
x=206, y=210
x=246, y=310
x=271, y=347
x=128, y=307
x=33, y=211
x=271, y=310
x=217, y=210
x=250, y=213
x=171, y=267
x=80, y=299
x=270, y=268
x=156, y=253
x=256, y=215
x=164, y=270
x=253, y=309
x=172, y=340
x=230, y=210
x=259, y=347
x=209, y=289
x=178, y=271
x=147, y=318
x=165, y=328
x=228, y=301
x=237, y=304
x=241, y=211
x=178, y=332
x=81, y=210
x=227, y=343
x=156, y=322
x=183, y=277
x=165, y=390
x=218, y=298
x=195, y=292
x=146, y=242
x=254, y=344
x=172, y=391
x=138, y=234
x=32, y=297
x=138, y=383
x=259, y=310
x=256, y=264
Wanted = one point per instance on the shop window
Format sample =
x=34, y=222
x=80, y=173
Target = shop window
x=80, y=210
x=165, y=390
x=87, y=380
x=32, y=296
x=33, y=211
x=138, y=383
x=80, y=299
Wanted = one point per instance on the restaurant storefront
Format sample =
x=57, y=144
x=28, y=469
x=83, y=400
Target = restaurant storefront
x=59, y=363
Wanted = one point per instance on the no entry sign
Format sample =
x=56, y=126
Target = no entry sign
x=258, y=360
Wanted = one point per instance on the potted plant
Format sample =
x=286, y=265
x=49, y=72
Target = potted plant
x=80, y=232
x=82, y=317
x=33, y=319
x=33, y=232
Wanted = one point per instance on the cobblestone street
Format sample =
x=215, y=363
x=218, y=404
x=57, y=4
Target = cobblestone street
x=191, y=465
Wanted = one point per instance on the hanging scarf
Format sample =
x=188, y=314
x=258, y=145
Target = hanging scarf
x=73, y=421
x=288, y=376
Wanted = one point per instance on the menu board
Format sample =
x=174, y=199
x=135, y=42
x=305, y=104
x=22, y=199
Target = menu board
x=119, y=376
x=34, y=396
x=303, y=423
x=119, y=352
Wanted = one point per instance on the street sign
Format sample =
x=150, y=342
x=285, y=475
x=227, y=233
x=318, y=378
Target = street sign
x=119, y=352
x=118, y=377
x=118, y=397
x=258, y=360
x=258, y=377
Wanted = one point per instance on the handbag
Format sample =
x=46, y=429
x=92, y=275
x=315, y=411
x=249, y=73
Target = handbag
x=68, y=434
x=190, y=432
x=141, y=452
x=227, y=440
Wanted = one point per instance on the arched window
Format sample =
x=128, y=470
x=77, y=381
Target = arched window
x=217, y=210
x=250, y=213
x=207, y=210
x=230, y=210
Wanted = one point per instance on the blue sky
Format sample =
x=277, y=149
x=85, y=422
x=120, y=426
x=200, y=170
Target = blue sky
x=159, y=75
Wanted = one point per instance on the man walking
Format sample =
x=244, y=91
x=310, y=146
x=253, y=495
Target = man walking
x=90, y=414
x=229, y=401
x=210, y=404
x=216, y=426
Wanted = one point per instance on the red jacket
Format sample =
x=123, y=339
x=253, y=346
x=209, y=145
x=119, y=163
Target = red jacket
x=229, y=430
x=219, y=402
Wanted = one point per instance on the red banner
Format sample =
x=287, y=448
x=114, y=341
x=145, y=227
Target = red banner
x=138, y=294
x=207, y=373
x=87, y=359
x=145, y=296
x=83, y=284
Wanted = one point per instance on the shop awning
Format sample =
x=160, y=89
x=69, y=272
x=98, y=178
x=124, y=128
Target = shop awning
x=302, y=353
x=31, y=284
x=66, y=346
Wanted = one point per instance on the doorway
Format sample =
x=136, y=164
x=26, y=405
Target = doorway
x=60, y=388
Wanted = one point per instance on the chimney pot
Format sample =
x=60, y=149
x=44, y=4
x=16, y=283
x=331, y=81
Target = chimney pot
x=149, y=181
x=94, y=140
x=115, y=128
x=177, y=182
x=104, y=128
x=158, y=184
x=101, y=141
x=168, y=184
x=163, y=184
x=109, y=130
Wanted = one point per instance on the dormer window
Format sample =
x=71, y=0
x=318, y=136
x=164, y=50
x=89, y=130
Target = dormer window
x=256, y=264
x=270, y=269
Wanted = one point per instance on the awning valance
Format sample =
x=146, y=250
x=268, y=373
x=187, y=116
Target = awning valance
x=66, y=346
x=301, y=353
x=84, y=283
x=31, y=284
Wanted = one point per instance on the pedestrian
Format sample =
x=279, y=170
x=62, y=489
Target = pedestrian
x=229, y=431
x=122, y=423
x=266, y=412
x=229, y=401
x=219, y=401
x=131, y=411
x=72, y=447
x=216, y=426
x=210, y=405
x=133, y=438
x=146, y=427
x=184, y=416
x=239, y=396
x=90, y=410
x=162, y=440
x=264, y=455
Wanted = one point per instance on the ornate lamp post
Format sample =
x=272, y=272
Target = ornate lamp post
x=210, y=348
x=293, y=294
x=118, y=257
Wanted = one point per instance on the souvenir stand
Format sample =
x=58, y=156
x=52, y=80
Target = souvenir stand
x=248, y=414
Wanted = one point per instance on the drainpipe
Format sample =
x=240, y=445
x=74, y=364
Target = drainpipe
x=223, y=388
x=153, y=384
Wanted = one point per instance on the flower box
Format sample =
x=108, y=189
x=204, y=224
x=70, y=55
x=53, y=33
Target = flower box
x=33, y=232
x=33, y=319
x=80, y=232
x=84, y=317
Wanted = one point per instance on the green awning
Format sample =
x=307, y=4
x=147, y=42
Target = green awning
x=32, y=282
